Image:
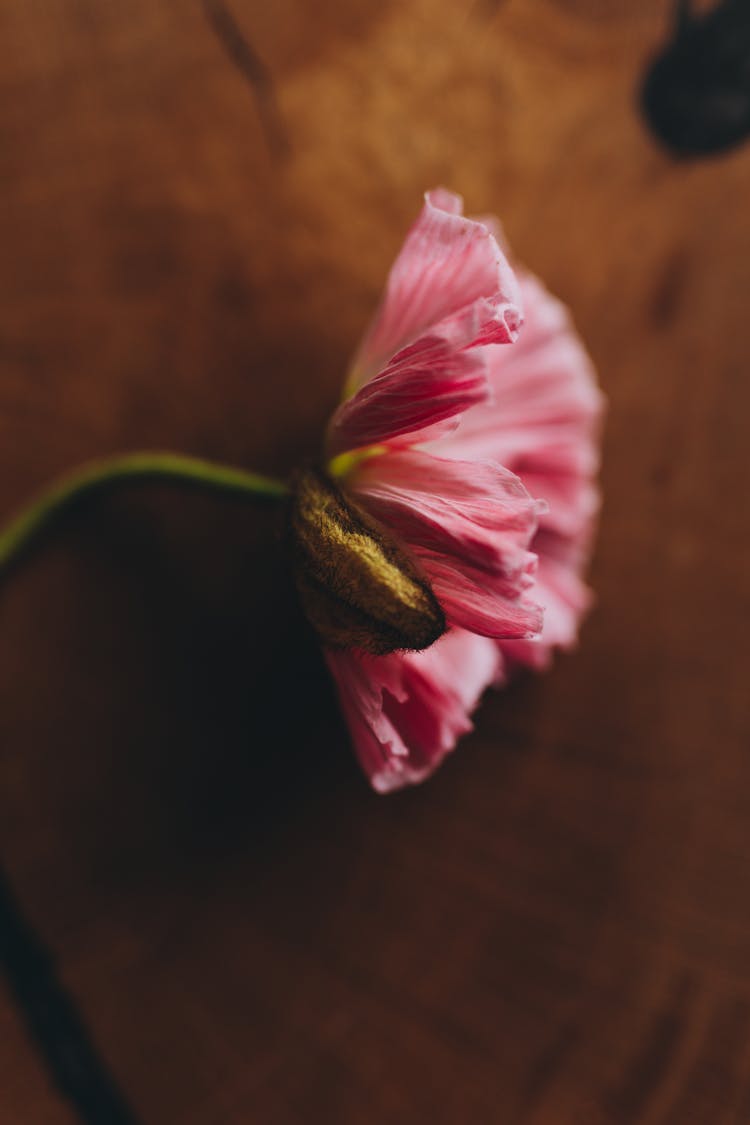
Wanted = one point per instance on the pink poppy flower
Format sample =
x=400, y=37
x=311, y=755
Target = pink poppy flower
x=445, y=541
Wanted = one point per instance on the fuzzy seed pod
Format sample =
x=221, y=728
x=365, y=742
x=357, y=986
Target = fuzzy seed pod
x=358, y=587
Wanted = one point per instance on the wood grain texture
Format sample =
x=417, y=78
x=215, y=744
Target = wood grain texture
x=556, y=929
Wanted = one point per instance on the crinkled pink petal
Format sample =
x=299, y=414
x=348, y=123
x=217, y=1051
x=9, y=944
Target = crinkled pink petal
x=450, y=272
x=571, y=496
x=565, y=598
x=476, y=512
x=418, y=395
x=543, y=424
x=544, y=392
x=485, y=321
x=470, y=525
x=483, y=603
x=405, y=711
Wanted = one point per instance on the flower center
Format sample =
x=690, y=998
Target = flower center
x=343, y=464
x=358, y=586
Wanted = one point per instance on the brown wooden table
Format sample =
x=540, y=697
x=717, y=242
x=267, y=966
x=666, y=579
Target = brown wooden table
x=556, y=929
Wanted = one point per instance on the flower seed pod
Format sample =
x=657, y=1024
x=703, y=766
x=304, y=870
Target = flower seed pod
x=359, y=588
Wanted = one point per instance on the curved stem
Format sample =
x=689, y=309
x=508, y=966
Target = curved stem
x=34, y=520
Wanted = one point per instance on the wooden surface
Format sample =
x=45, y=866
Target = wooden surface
x=556, y=929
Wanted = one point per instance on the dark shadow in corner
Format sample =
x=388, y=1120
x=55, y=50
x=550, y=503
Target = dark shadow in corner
x=696, y=93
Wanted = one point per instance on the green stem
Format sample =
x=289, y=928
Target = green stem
x=27, y=527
